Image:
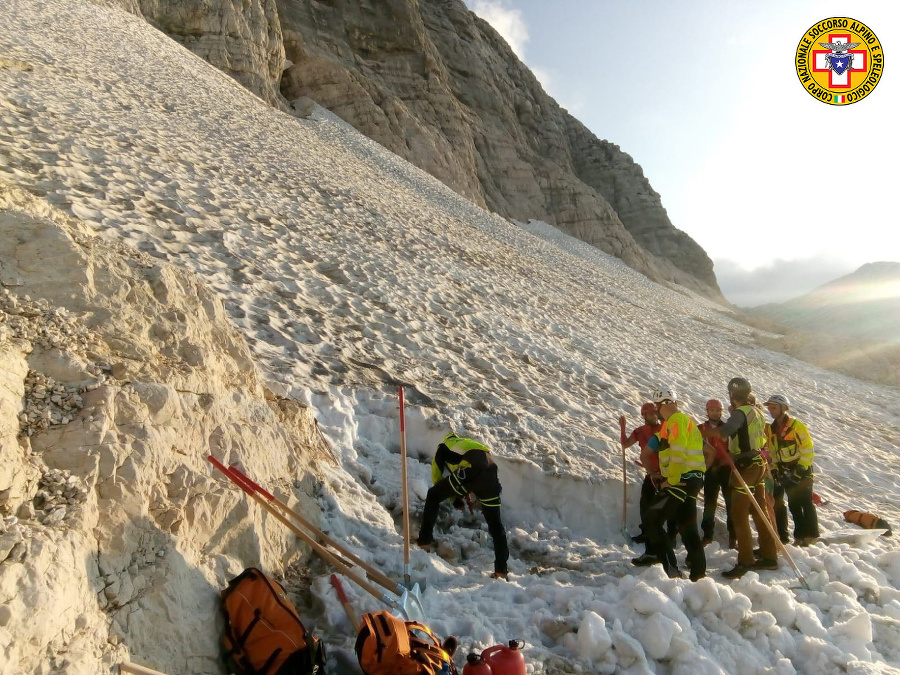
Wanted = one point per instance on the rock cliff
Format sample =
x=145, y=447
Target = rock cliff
x=436, y=85
x=119, y=375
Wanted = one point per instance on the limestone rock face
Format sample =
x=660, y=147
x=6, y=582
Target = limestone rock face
x=119, y=376
x=240, y=38
x=616, y=176
x=438, y=86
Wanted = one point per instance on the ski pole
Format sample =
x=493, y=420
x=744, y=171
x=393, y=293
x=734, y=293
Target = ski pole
x=768, y=524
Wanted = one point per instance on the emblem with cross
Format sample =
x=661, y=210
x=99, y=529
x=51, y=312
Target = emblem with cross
x=840, y=60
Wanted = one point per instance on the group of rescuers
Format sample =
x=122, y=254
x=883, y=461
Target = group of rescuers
x=681, y=458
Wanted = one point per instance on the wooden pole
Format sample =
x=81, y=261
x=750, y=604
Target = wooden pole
x=762, y=514
x=345, y=602
x=127, y=667
x=326, y=555
x=377, y=576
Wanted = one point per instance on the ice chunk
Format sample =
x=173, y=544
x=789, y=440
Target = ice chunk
x=593, y=638
x=656, y=635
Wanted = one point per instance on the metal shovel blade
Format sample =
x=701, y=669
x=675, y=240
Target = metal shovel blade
x=410, y=604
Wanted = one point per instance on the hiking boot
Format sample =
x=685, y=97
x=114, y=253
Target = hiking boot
x=697, y=577
x=765, y=564
x=736, y=572
x=639, y=538
x=645, y=560
x=500, y=575
x=805, y=541
x=784, y=539
x=675, y=574
x=706, y=541
x=426, y=545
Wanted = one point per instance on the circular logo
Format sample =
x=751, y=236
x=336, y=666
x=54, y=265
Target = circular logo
x=839, y=60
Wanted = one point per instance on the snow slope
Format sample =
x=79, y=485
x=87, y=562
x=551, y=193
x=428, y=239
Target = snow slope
x=351, y=272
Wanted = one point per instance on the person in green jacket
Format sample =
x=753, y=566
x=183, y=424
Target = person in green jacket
x=471, y=470
x=745, y=431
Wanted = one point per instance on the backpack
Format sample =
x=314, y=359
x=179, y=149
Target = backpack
x=263, y=632
x=868, y=521
x=387, y=645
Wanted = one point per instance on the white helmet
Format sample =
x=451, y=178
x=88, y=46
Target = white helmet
x=663, y=394
x=780, y=399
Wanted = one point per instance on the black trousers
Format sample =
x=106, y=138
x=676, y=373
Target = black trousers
x=679, y=504
x=714, y=480
x=648, y=492
x=483, y=483
x=800, y=501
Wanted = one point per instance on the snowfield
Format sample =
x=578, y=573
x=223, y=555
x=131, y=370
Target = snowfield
x=351, y=272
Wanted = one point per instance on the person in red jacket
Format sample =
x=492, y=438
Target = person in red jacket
x=718, y=474
x=649, y=460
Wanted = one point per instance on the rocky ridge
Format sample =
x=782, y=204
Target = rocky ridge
x=119, y=374
x=437, y=85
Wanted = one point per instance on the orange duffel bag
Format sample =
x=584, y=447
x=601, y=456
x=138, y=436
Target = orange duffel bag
x=263, y=632
x=868, y=521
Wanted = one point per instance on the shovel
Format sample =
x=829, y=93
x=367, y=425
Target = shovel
x=409, y=608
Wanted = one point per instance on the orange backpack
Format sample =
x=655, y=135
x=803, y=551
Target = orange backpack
x=387, y=645
x=868, y=521
x=263, y=632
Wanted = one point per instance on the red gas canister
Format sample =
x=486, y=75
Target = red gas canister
x=505, y=660
x=475, y=665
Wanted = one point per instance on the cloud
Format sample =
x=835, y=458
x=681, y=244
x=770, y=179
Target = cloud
x=778, y=281
x=507, y=21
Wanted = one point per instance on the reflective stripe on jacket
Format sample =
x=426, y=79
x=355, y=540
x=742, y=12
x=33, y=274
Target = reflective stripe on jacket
x=681, y=448
x=460, y=446
x=791, y=443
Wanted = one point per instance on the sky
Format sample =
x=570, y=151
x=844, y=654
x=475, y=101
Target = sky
x=783, y=192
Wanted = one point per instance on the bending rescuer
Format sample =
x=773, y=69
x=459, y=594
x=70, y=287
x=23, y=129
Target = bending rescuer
x=471, y=470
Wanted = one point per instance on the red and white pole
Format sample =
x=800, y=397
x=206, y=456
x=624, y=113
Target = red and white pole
x=406, y=575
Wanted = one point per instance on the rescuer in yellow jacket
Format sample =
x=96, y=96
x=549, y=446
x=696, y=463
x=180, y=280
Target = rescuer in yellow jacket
x=681, y=466
x=471, y=470
x=791, y=448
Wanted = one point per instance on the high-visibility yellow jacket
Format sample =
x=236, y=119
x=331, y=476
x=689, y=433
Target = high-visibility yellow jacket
x=756, y=431
x=791, y=443
x=460, y=446
x=681, y=448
